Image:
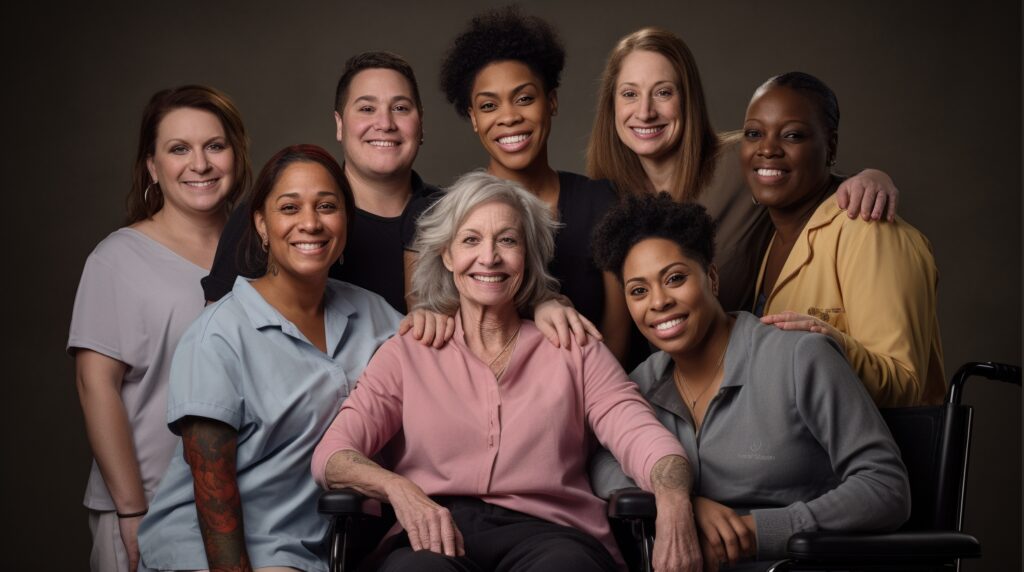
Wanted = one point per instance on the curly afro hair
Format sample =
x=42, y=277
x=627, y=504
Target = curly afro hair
x=639, y=217
x=500, y=35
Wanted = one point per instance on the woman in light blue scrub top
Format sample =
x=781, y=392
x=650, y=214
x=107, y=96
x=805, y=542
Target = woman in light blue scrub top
x=257, y=379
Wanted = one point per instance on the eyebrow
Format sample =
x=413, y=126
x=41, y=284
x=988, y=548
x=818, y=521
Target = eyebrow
x=210, y=140
x=515, y=90
x=375, y=99
x=295, y=195
x=660, y=272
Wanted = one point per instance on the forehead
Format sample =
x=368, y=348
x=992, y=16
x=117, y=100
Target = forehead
x=645, y=66
x=504, y=75
x=189, y=123
x=305, y=177
x=783, y=104
x=651, y=255
x=381, y=83
x=492, y=215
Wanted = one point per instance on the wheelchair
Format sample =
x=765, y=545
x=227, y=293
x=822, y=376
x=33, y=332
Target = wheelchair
x=934, y=443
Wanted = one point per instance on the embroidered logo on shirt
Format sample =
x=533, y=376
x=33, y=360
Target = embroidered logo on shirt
x=824, y=314
x=755, y=452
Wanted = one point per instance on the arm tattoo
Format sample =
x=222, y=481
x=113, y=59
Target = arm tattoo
x=210, y=448
x=671, y=472
x=356, y=458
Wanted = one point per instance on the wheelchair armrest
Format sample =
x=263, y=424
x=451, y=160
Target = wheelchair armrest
x=347, y=502
x=632, y=503
x=908, y=546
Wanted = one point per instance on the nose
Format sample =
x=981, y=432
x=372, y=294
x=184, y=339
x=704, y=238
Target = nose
x=647, y=110
x=311, y=222
x=199, y=162
x=385, y=121
x=489, y=255
x=768, y=146
x=509, y=115
x=660, y=300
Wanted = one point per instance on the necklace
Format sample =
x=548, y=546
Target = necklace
x=691, y=404
x=511, y=339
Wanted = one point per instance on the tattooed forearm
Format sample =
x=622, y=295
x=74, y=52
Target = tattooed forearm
x=671, y=472
x=210, y=448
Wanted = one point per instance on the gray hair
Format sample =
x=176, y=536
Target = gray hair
x=433, y=285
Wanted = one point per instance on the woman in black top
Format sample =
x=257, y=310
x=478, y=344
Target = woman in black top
x=502, y=73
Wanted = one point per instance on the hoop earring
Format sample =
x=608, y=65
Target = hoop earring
x=145, y=194
x=753, y=199
x=265, y=243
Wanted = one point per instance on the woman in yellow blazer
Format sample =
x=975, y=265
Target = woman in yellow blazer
x=871, y=287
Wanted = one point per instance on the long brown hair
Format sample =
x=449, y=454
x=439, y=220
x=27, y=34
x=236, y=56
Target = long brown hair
x=609, y=158
x=142, y=205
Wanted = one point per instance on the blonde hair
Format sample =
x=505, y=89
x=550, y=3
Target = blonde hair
x=609, y=158
x=433, y=285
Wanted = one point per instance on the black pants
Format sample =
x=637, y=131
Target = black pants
x=502, y=540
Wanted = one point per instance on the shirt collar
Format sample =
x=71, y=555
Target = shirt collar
x=262, y=315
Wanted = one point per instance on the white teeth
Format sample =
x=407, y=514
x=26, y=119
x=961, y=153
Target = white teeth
x=669, y=324
x=384, y=143
x=489, y=278
x=769, y=172
x=513, y=139
x=309, y=245
x=647, y=130
x=201, y=184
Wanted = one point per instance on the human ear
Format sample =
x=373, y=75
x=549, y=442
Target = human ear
x=151, y=167
x=446, y=258
x=553, y=102
x=338, y=125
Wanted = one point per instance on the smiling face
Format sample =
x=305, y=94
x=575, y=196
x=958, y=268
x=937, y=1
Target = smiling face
x=648, y=118
x=670, y=297
x=511, y=113
x=786, y=148
x=192, y=161
x=487, y=256
x=379, y=126
x=304, y=220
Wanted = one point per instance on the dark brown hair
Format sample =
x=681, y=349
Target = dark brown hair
x=374, y=61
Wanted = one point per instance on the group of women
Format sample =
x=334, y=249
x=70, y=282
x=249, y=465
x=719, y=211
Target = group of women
x=493, y=417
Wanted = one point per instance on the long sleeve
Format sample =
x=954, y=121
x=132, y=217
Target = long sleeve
x=620, y=417
x=370, y=416
x=606, y=474
x=873, y=493
x=888, y=280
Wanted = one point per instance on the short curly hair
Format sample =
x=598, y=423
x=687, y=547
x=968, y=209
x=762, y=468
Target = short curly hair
x=639, y=217
x=504, y=34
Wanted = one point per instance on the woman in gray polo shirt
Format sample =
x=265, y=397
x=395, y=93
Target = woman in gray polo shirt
x=781, y=434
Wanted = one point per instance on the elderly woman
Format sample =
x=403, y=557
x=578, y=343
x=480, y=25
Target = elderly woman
x=138, y=295
x=652, y=133
x=257, y=379
x=872, y=288
x=492, y=431
x=783, y=435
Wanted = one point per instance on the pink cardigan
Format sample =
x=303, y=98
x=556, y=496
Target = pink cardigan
x=521, y=443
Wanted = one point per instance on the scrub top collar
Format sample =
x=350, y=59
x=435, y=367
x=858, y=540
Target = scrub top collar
x=262, y=315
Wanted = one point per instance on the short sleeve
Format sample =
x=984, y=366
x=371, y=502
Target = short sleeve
x=104, y=318
x=225, y=268
x=206, y=378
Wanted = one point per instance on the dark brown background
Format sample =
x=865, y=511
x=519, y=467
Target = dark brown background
x=930, y=92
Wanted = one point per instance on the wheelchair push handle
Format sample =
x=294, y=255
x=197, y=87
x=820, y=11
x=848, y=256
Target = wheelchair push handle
x=991, y=370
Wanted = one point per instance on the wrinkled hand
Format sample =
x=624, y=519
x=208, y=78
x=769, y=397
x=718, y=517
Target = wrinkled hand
x=726, y=537
x=795, y=321
x=430, y=328
x=557, y=319
x=429, y=525
x=130, y=537
x=675, y=540
x=870, y=194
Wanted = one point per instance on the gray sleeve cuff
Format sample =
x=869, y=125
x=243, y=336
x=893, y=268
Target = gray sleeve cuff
x=776, y=525
x=606, y=474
